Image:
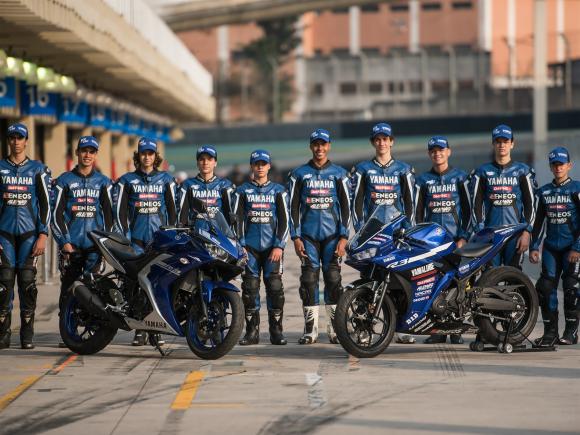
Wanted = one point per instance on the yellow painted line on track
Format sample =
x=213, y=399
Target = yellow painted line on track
x=66, y=362
x=187, y=392
x=10, y=397
x=217, y=405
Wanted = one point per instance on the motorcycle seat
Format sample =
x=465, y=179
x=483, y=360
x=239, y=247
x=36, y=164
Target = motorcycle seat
x=113, y=236
x=473, y=250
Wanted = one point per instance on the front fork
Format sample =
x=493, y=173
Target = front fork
x=379, y=290
x=202, y=304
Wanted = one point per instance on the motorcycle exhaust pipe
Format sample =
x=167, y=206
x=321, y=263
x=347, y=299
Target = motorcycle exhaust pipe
x=93, y=304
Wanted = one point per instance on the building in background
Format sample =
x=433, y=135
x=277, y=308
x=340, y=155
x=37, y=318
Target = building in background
x=401, y=58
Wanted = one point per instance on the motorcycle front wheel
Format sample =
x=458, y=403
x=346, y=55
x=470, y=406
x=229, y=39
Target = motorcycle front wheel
x=359, y=332
x=216, y=335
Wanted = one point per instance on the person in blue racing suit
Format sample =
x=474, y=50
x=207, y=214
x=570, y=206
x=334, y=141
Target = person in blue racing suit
x=145, y=201
x=83, y=203
x=383, y=181
x=319, y=227
x=558, y=218
x=503, y=194
x=443, y=198
x=261, y=207
x=24, y=221
x=214, y=191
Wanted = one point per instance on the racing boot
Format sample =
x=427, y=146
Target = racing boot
x=570, y=335
x=456, y=339
x=252, y=328
x=140, y=338
x=26, y=330
x=550, y=337
x=330, y=310
x=276, y=330
x=435, y=339
x=310, y=325
x=5, y=320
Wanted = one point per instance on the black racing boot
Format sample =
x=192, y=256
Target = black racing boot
x=140, y=338
x=435, y=339
x=276, y=330
x=550, y=337
x=5, y=333
x=310, y=335
x=456, y=339
x=570, y=335
x=252, y=328
x=27, y=331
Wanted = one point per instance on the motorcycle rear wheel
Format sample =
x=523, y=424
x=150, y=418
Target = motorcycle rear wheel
x=80, y=331
x=356, y=332
x=493, y=330
x=215, y=337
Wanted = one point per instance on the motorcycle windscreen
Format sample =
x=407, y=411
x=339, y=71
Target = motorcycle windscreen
x=383, y=216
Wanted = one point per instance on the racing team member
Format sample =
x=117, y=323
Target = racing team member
x=443, y=198
x=503, y=194
x=83, y=203
x=319, y=226
x=382, y=181
x=261, y=207
x=24, y=222
x=145, y=201
x=558, y=217
x=214, y=191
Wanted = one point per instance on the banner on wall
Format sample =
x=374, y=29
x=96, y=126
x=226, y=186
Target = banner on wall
x=99, y=116
x=37, y=103
x=8, y=92
x=73, y=111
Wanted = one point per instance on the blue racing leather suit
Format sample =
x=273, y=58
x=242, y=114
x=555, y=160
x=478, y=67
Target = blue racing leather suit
x=216, y=193
x=263, y=224
x=144, y=203
x=319, y=216
x=82, y=204
x=375, y=184
x=558, y=219
x=504, y=195
x=24, y=214
x=444, y=199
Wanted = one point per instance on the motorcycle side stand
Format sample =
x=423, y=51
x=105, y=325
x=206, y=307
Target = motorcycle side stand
x=154, y=341
x=504, y=347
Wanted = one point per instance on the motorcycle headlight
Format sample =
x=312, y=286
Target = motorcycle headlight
x=365, y=255
x=217, y=252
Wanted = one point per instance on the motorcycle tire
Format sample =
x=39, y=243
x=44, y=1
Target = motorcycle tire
x=343, y=323
x=221, y=300
x=81, y=332
x=525, y=325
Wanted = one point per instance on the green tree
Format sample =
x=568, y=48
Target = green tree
x=268, y=53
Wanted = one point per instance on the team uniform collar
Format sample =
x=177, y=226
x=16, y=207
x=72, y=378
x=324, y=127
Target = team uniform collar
x=79, y=174
x=507, y=165
x=326, y=165
x=200, y=178
x=267, y=183
x=144, y=174
x=386, y=165
x=563, y=183
x=445, y=172
x=22, y=163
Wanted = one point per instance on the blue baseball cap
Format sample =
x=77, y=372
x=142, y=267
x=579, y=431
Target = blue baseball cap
x=88, y=141
x=18, y=129
x=206, y=149
x=560, y=155
x=502, y=130
x=146, y=144
x=437, y=142
x=381, y=128
x=320, y=134
x=260, y=156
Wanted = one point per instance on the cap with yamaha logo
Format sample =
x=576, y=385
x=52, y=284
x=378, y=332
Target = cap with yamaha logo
x=559, y=155
x=206, y=149
x=502, y=131
x=88, y=142
x=146, y=144
x=437, y=142
x=381, y=128
x=320, y=134
x=18, y=129
x=260, y=156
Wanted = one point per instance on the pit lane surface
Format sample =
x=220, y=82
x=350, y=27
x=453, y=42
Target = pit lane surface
x=289, y=389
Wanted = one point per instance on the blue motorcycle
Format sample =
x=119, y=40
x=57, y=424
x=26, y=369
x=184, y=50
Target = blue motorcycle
x=416, y=281
x=179, y=286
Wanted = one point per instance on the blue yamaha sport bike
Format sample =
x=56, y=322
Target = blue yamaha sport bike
x=179, y=286
x=416, y=281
